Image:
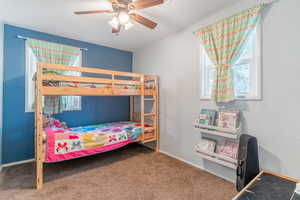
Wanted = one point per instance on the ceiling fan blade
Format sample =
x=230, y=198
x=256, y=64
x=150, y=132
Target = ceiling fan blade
x=142, y=20
x=141, y=4
x=92, y=12
x=113, y=1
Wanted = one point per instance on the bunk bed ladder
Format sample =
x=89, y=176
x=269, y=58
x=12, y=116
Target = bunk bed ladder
x=151, y=133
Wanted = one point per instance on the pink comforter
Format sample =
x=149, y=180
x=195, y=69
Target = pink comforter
x=77, y=142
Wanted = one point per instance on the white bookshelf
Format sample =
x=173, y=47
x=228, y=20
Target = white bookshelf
x=217, y=158
x=219, y=131
x=216, y=155
x=226, y=133
x=218, y=161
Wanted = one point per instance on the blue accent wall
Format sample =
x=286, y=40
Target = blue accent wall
x=18, y=126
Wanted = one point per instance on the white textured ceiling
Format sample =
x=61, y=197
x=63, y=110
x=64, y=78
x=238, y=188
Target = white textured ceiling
x=56, y=17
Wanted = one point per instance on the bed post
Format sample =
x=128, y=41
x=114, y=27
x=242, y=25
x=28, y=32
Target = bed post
x=143, y=107
x=132, y=108
x=39, y=128
x=157, y=114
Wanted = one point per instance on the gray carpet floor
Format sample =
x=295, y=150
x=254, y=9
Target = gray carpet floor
x=130, y=173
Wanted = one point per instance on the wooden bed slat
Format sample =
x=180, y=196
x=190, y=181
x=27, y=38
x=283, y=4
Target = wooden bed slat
x=149, y=92
x=150, y=78
x=125, y=82
x=82, y=79
x=87, y=70
x=73, y=91
x=76, y=79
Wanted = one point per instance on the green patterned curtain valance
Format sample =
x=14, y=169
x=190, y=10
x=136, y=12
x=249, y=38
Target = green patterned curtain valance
x=53, y=53
x=223, y=43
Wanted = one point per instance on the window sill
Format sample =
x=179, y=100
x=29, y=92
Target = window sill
x=237, y=99
x=75, y=109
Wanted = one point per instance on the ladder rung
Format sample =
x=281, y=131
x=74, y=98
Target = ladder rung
x=148, y=129
x=150, y=140
x=149, y=114
x=152, y=99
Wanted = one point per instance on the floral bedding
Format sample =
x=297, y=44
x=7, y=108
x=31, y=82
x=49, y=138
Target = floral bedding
x=64, y=144
x=148, y=85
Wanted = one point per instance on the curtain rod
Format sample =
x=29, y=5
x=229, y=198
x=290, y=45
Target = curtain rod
x=26, y=38
x=262, y=2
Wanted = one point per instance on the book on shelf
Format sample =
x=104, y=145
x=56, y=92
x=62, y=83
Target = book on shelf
x=207, y=145
x=207, y=117
x=228, y=119
x=228, y=149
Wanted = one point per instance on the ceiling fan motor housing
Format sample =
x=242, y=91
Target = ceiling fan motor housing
x=121, y=5
x=125, y=1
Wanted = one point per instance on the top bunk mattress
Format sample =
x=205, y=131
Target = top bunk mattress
x=65, y=144
x=148, y=85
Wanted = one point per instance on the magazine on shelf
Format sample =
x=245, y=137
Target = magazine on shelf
x=228, y=149
x=207, y=117
x=228, y=119
x=207, y=145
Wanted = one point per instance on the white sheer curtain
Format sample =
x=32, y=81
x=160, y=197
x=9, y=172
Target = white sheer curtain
x=73, y=102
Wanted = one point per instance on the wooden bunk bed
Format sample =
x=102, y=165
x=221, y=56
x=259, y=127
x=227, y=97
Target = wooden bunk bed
x=115, y=82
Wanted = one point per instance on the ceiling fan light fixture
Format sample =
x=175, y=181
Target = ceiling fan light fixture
x=128, y=26
x=124, y=13
x=123, y=18
x=115, y=23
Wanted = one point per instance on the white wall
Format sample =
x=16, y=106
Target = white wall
x=274, y=120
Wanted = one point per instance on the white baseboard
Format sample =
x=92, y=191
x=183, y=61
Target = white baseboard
x=17, y=163
x=197, y=166
x=163, y=152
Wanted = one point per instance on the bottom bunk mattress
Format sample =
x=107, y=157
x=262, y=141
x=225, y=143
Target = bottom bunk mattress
x=65, y=144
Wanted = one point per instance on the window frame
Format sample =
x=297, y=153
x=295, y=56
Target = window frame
x=28, y=99
x=28, y=107
x=80, y=97
x=256, y=80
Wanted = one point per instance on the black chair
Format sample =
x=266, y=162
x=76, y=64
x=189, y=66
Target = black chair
x=248, y=163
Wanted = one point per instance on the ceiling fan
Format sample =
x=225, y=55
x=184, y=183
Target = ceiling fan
x=124, y=13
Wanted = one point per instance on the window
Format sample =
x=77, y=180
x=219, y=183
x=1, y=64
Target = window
x=246, y=71
x=72, y=102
